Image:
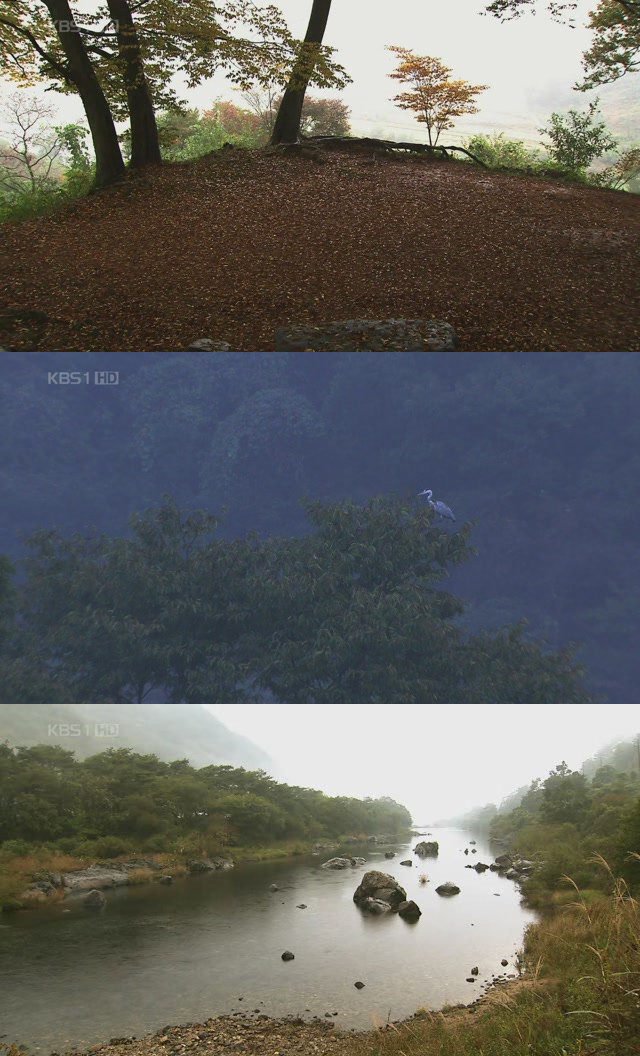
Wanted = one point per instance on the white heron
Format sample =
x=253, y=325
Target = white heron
x=437, y=506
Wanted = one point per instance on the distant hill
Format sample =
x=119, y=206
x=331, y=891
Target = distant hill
x=170, y=731
x=621, y=755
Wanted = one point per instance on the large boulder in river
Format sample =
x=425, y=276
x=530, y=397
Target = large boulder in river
x=426, y=849
x=381, y=887
x=447, y=889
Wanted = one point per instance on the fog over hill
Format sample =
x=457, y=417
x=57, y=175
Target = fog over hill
x=440, y=761
x=170, y=731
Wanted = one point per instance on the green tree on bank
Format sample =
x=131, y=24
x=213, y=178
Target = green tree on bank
x=351, y=612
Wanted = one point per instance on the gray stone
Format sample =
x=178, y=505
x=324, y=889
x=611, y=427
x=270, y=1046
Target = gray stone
x=208, y=344
x=427, y=849
x=409, y=910
x=94, y=900
x=353, y=335
x=359, y=985
x=389, y=854
x=337, y=863
x=407, y=861
x=448, y=889
x=288, y=956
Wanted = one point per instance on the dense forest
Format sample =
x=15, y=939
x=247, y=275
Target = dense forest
x=118, y=802
x=536, y=454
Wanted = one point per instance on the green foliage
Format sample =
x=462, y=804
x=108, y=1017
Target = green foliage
x=577, y=139
x=352, y=612
x=499, y=152
x=117, y=801
x=567, y=819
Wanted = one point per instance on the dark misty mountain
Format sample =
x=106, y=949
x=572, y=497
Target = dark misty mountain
x=169, y=731
x=540, y=451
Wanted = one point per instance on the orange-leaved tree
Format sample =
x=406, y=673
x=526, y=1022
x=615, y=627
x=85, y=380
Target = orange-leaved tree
x=433, y=95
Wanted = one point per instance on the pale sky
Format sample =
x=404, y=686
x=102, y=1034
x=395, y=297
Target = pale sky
x=439, y=760
x=530, y=63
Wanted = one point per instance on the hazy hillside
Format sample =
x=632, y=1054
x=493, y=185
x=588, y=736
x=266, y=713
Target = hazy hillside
x=169, y=731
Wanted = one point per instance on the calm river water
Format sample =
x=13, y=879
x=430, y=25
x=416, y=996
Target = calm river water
x=162, y=955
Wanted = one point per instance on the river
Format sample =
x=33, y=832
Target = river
x=161, y=955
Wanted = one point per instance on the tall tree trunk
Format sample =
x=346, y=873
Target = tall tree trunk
x=145, y=144
x=109, y=162
x=287, y=124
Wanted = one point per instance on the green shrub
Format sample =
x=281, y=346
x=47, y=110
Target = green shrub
x=10, y=848
x=497, y=151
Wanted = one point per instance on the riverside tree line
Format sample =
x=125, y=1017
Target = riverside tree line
x=119, y=801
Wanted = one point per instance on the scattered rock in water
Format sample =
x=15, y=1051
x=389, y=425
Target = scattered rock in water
x=94, y=899
x=472, y=843
x=358, y=861
x=427, y=849
x=338, y=863
x=466, y=850
x=473, y=850
x=407, y=861
x=409, y=910
x=389, y=854
x=475, y=971
x=287, y=956
x=471, y=979
x=480, y=867
x=274, y=887
x=448, y=888
x=504, y=962
x=359, y=985
x=301, y=906
x=167, y=879
x=353, y=335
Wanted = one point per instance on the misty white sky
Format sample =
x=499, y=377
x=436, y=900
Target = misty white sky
x=437, y=760
x=530, y=63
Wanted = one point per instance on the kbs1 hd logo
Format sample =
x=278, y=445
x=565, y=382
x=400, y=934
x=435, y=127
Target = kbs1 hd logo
x=88, y=729
x=83, y=377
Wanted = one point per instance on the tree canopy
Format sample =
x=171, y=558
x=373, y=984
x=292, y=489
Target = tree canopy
x=349, y=613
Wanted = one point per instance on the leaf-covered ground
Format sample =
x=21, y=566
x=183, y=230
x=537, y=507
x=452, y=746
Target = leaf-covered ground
x=239, y=243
